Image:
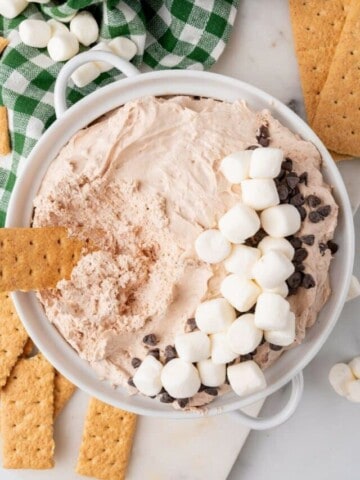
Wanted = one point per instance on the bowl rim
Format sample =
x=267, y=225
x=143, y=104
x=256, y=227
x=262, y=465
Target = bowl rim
x=163, y=83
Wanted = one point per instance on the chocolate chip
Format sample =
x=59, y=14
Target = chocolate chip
x=333, y=247
x=264, y=142
x=202, y=387
x=263, y=340
x=299, y=267
x=287, y=164
x=315, y=217
x=191, y=324
x=283, y=192
x=170, y=353
x=308, y=239
x=166, y=398
x=292, y=180
x=196, y=97
x=313, y=201
x=211, y=391
x=281, y=175
x=150, y=340
x=297, y=200
x=300, y=255
x=183, y=402
x=292, y=291
x=245, y=358
x=295, y=242
x=322, y=248
x=252, y=147
x=135, y=362
x=324, y=211
x=302, y=212
x=308, y=281
x=294, y=281
x=303, y=178
x=131, y=382
x=262, y=136
x=155, y=352
x=276, y=348
x=256, y=239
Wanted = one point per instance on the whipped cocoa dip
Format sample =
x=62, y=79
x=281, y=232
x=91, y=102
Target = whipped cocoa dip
x=142, y=183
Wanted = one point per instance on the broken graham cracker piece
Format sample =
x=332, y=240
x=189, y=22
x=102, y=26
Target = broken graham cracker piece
x=106, y=443
x=4, y=42
x=63, y=390
x=317, y=26
x=27, y=415
x=36, y=258
x=13, y=337
x=337, y=119
x=4, y=132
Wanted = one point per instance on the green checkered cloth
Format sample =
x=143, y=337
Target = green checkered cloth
x=168, y=34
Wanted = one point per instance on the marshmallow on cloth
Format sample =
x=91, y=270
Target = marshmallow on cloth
x=259, y=193
x=147, y=377
x=63, y=46
x=180, y=379
x=212, y=247
x=285, y=336
x=239, y=223
x=215, y=315
x=246, y=378
x=242, y=260
x=35, y=33
x=85, y=28
x=266, y=162
x=271, y=312
x=85, y=74
x=272, y=269
x=281, y=220
x=280, y=244
x=243, y=335
x=193, y=347
x=340, y=376
x=123, y=47
x=235, y=167
x=103, y=47
x=211, y=374
x=57, y=27
x=12, y=8
x=240, y=292
x=221, y=352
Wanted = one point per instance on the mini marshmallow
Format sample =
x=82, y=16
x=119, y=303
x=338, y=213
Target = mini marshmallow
x=281, y=289
x=35, y=33
x=235, y=167
x=211, y=246
x=180, y=379
x=280, y=244
x=123, y=47
x=215, y=315
x=85, y=74
x=259, y=193
x=104, y=47
x=285, y=336
x=281, y=220
x=85, y=28
x=242, y=260
x=271, y=312
x=239, y=223
x=353, y=389
x=221, y=352
x=66, y=19
x=12, y=8
x=266, y=162
x=193, y=347
x=56, y=27
x=340, y=376
x=243, y=336
x=147, y=378
x=63, y=46
x=246, y=378
x=240, y=292
x=211, y=374
x=272, y=269
x=355, y=366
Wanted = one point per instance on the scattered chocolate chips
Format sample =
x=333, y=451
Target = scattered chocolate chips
x=324, y=211
x=183, y=402
x=256, y=239
x=297, y=200
x=213, y=391
x=166, y=398
x=155, y=352
x=303, y=178
x=287, y=164
x=276, y=348
x=300, y=255
x=263, y=135
x=294, y=281
x=299, y=267
x=135, y=362
x=302, y=212
x=150, y=340
x=295, y=242
x=333, y=247
x=131, y=382
x=308, y=239
x=292, y=180
x=283, y=192
x=315, y=217
x=170, y=353
x=191, y=324
x=252, y=147
x=308, y=281
x=313, y=201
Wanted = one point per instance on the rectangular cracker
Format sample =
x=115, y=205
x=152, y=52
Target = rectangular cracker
x=27, y=415
x=4, y=132
x=36, y=258
x=4, y=42
x=13, y=337
x=106, y=443
x=337, y=119
x=317, y=26
x=63, y=390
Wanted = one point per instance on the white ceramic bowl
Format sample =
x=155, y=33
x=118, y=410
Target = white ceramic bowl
x=47, y=338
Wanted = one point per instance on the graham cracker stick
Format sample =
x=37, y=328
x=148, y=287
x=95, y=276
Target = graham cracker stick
x=63, y=390
x=4, y=132
x=107, y=441
x=317, y=26
x=337, y=119
x=27, y=414
x=36, y=258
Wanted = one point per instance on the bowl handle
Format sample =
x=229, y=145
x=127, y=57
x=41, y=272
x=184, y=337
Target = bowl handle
x=297, y=387
x=91, y=56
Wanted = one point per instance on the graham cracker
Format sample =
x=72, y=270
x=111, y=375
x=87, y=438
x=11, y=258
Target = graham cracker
x=36, y=258
x=13, y=337
x=317, y=26
x=4, y=42
x=27, y=415
x=4, y=132
x=337, y=119
x=106, y=443
x=63, y=390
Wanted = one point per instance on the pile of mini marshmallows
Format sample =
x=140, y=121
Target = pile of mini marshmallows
x=345, y=379
x=256, y=276
x=63, y=43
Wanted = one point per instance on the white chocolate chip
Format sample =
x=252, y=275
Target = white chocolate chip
x=285, y=336
x=239, y=223
x=243, y=335
x=212, y=247
x=123, y=47
x=280, y=244
x=271, y=312
x=211, y=374
x=221, y=352
x=85, y=74
x=242, y=260
x=63, y=46
x=147, y=376
x=246, y=378
x=235, y=167
x=259, y=193
x=340, y=376
x=180, y=379
x=12, y=8
x=214, y=315
x=272, y=269
x=35, y=33
x=193, y=347
x=85, y=28
x=266, y=162
x=280, y=220
x=240, y=292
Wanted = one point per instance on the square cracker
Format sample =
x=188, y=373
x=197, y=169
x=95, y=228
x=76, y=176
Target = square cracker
x=27, y=414
x=4, y=132
x=337, y=119
x=63, y=390
x=106, y=443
